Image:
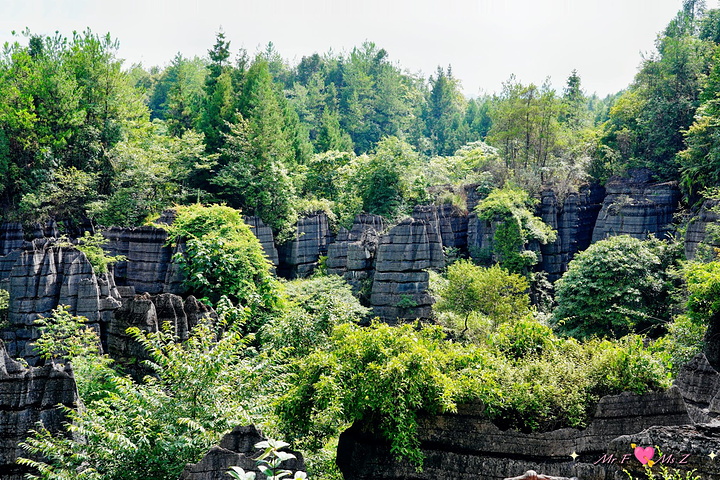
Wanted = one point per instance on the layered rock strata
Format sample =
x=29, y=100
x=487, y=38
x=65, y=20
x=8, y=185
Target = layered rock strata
x=449, y=221
x=574, y=219
x=29, y=395
x=44, y=276
x=401, y=282
x=148, y=313
x=265, y=235
x=11, y=237
x=352, y=254
x=236, y=449
x=696, y=232
x=299, y=257
x=148, y=265
x=637, y=207
x=467, y=445
x=683, y=449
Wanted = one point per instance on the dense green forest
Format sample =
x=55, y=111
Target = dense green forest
x=89, y=141
x=256, y=132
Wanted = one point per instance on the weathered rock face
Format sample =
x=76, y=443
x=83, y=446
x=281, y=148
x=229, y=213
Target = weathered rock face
x=265, y=235
x=448, y=221
x=574, y=221
x=11, y=237
x=29, y=395
x=352, y=254
x=148, y=266
x=237, y=448
x=148, y=313
x=697, y=228
x=684, y=448
x=699, y=383
x=400, y=286
x=468, y=446
x=299, y=257
x=44, y=276
x=637, y=207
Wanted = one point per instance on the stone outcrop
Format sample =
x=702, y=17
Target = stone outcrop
x=44, y=276
x=265, y=235
x=637, y=207
x=148, y=263
x=29, y=395
x=400, y=286
x=699, y=383
x=11, y=237
x=148, y=313
x=299, y=257
x=697, y=228
x=467, y=445
x=449, y=221
x=352, y=254
x=237, y=448
x=573, y=219
x=684, y=448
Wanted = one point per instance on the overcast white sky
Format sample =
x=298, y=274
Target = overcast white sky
x=484, y=40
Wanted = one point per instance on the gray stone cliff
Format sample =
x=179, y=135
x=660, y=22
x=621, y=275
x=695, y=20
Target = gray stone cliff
x=29, y=395
x=637, y=207
x=400, y=285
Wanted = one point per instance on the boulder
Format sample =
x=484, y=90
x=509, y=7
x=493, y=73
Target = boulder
x=236, y=449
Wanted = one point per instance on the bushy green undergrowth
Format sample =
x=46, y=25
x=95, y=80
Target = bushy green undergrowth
x=130, y=430
x=224, y=258
x=617, y=286
x=313, y=308
x=525, y=376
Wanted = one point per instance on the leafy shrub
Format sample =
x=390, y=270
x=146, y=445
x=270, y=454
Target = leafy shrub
x=683, y=341
x=128, y=430
x=386, y=376
x=509, y=208
x=387, y=181
x=494, y=293
x=91, y=246
x=522, y=338
x=269, y=463
x=224, y=258
x=616, y=286
x=313, y=308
